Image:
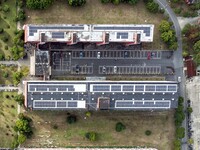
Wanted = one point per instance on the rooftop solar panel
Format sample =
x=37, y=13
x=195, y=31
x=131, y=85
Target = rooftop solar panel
x=139, y=88
x=161, y=88
x=127, y=88
x=122, y=35
x=101, y=88
x=172, y=88
x=44, y=104
x=116, y=88
x=61, y=104
x=72, y=104
x=58, y=35
x=150, y=88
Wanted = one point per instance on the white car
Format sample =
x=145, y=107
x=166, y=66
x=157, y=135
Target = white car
x=98, y=55
x=179, y=79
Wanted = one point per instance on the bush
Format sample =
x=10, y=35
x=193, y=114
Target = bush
x=148, y=132
x=6, y=47
x=75, y=3
x=105, y=1
x=189, y=110
x=19, y=99
x=180, y=132
x=92, y=136
x=119, y=127
x=5, y=38
x=21, y=138
x=88, y=114
x=21, y=16
x=177, y=10
x=15, y=143
x=39, y=4
x=152, y=7
x=6, y=8
x=71, y=119
x=5, y=74
x=1, y=30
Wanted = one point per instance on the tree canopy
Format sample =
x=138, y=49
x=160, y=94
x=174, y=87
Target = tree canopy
x=39, y=4
x=164, y=26
x=75, y=3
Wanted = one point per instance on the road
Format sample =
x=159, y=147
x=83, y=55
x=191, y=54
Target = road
x=177, y=60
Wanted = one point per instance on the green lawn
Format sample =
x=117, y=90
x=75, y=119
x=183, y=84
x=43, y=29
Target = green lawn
x=94, y=12
x=160, y=123
x=9, y=25
x=8, y=116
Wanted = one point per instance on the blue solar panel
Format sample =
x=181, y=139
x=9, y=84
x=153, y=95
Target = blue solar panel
x=172, y=88
x=139, y=88
x=101, y=88
x=161, y=88
x=150, y=88
x=122, y=35
x=44, y=104
x=61, y=104
x=127, y=88
x=58, y=35
x=72, y=104
x=115, y=88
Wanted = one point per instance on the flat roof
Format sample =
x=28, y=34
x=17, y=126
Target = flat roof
x=83, y=94
x=88, y=33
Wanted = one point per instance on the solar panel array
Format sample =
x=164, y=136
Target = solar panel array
x=58, y=35
x=142, y=104
x=146, y=30
x=122, y=35
x=33, y=28
x=134, y=88
x=50, y=88
x=55, y=104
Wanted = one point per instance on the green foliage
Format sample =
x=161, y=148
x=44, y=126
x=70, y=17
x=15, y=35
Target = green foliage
x=71, y=119
x=190, y=141
x=15, y=143
x=152, y=7
x=75, y=3
x=177, y=10
x=180, y=132
x=6, y=8
x=39, y=4
x=164, y=26
x=2, y=57
x=88, y=114
x=177, y=144
x=189, y=110
x=4, y=38
x=185, y=53
x=21, y=138
x=175, y=1
x=116, y=2
x=180, y=100
x=166, y=36
x=20, y=99
x=92, y=136
x=119, y=127
x=21, y=15
x=105, y=1
x=6, y=47
x=17, y=77
x=5, y=74
x=1, y=30
x=148, y=132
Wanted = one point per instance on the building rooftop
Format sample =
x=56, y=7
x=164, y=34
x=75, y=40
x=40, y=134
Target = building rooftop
x=72, y=34
x=86, y=94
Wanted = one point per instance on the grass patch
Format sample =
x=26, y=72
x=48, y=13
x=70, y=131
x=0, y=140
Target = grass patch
x=94, y=12
x=103, y=123
x=8, y=116
x=7, y=69
x=9, y=25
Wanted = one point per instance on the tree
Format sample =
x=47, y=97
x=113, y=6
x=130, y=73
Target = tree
x=166, y=36
x=105, y=1
x=22, y=126
x=39, y=4
x=21, y=138
x=119, y=127
x=116, y=2
x=20, y=99
x=180, y=132
x=196, y=47
x=148, y=132
x=17, y=77
x=164, y=26
x=92, y=136
x=189, y=110
x=177, y=144
x=75, y=3
x=71, y=119
x=152, y=7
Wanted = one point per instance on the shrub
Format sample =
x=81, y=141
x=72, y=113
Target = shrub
x=180, y=132
x=6, y=8
x=105, y=1
x=20, y=99
x=5, y=74
x=75, y=3
x=39, y=4
x=88, y=114
x=119, y=127
x=152, y=7
x=92, y=136
x=148, y=132
x=1, y=30
x=21, y=138
x=189, y=110
x=6, y=47
x=71, y=119
x=5, y=38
